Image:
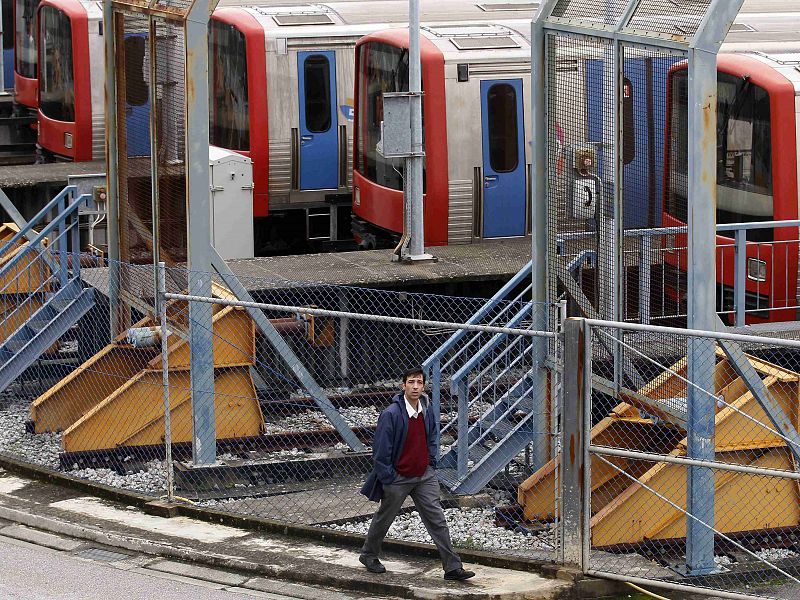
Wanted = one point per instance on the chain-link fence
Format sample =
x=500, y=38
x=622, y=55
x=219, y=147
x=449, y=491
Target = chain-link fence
x=300, y=378
x=644, y=518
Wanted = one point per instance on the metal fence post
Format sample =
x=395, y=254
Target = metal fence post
x=574, y=534
x=739, y=275
x=161, y=303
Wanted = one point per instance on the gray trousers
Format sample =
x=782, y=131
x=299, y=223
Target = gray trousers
x=424, y=491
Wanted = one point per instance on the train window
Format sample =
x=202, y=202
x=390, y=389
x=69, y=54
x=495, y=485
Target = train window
x=25, y=51
x=502, y=123
x=8, y=29
x=136, y=88
x=229, y=111
x=317, y=90
x=628, y=123
x=744, y=153
x=383, y=68
x=56, y=82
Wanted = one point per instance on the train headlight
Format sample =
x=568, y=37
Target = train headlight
x=756, y=269
x=67, y=140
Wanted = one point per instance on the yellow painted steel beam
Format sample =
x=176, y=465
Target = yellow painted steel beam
x=743, y=502
x=134, y=414
x=613, y=491
x=234, y=342
x=84, y=388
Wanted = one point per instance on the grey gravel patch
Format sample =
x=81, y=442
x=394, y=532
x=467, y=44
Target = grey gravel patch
x=40, y=538
x=151, y=480
x=40, y=449
x=469, y=528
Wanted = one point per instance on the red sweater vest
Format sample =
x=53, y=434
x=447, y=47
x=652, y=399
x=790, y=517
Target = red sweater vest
x=414, y=458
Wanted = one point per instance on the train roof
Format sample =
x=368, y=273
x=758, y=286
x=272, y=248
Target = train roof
x=325, y=19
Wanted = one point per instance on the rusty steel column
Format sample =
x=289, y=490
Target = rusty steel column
x=702, y=280
x=198, y=199
x=574, y=444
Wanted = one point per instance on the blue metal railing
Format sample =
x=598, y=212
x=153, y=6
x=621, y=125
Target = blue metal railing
x=488, y=370
x=443, y=360
x=66, y=244
x=739, y=247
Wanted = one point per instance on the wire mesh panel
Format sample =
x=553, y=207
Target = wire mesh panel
x=654, y=130
x=81, y=404
x=605, y=11
x=639, y=484
x=284, y=411
x=675, y=18
x=580, y=172
x=170, y=140
x=133, y=127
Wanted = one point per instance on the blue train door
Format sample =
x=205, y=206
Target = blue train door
x=504, y=188
x=137, y=95
x=319, y=133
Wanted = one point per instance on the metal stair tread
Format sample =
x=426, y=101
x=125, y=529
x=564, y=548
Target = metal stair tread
x=33, y=347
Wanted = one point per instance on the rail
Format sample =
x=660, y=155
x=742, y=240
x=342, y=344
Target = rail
x=744, y=264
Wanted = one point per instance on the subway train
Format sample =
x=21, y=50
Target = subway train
x=758, y=133
x=280, y=86
x=476, y=85
x=25, y=75
x=758, y=128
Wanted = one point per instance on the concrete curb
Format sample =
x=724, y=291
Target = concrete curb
x=582, y=587
x=551, y=570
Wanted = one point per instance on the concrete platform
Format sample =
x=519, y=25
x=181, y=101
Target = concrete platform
x=490, y=261
x=20, y=176
x=232, y=556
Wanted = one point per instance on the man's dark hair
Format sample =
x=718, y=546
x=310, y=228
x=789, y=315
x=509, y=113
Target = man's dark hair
x=413, y=371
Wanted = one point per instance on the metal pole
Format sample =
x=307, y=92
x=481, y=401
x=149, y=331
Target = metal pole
x=539, y=241
x=161, y=302
x=414, y=163
x=112, y=190
x=702, y=281
x=573, y=445
x=204, y=440
x=740, y=276
x=702, y=203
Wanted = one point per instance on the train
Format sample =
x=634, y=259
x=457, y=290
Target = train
x=280, y=83
x=759, y=129
x=476, y=81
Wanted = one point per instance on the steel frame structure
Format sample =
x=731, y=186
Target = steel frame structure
x=701, y=51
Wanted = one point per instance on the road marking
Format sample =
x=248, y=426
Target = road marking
x=179, y=527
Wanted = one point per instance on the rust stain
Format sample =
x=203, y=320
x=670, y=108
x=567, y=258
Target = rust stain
x=572, y=449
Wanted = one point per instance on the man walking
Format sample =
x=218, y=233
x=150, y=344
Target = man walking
x=404, y=464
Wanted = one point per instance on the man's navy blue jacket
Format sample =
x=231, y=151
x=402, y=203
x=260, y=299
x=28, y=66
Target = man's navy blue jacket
x=390, y=435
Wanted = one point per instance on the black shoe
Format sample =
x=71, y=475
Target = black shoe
x=373, y=564
x=459, y=574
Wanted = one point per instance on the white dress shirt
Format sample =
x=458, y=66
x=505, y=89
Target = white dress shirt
x=413, y=414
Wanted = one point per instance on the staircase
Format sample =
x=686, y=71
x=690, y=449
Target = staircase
x=502, y=405
x=40, y=273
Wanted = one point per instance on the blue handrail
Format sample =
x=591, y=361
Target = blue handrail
x=482, y=312
x=47, y=229
x=70, y=189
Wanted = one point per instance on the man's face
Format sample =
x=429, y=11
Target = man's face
x=413, y=386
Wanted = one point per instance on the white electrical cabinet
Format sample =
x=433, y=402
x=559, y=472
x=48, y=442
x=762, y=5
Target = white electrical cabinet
x=231, y=183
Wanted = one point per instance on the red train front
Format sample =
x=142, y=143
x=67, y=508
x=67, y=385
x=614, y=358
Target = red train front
x=757, y=180
x=65, y=92
x=472, y=189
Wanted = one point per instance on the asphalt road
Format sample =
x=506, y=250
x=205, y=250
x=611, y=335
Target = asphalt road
x=30, y=572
